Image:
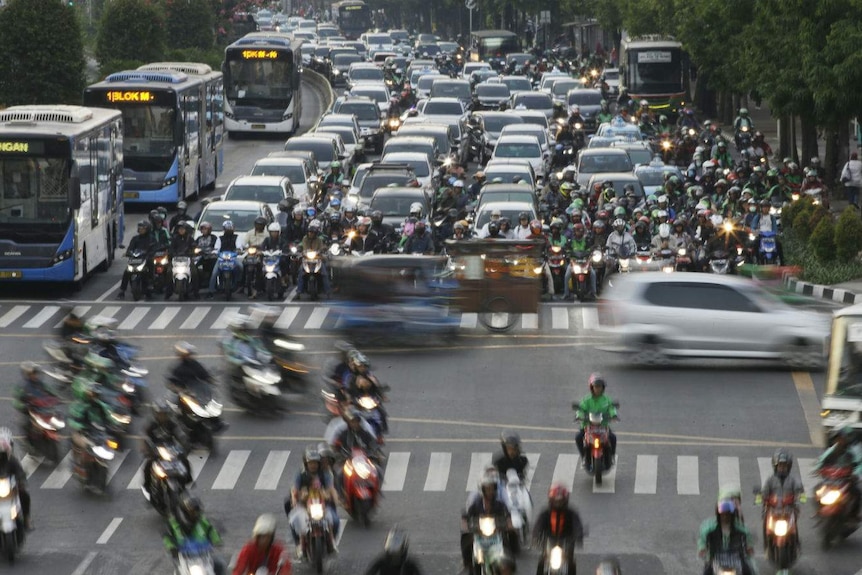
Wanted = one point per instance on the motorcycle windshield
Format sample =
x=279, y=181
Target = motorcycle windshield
x=596, y=418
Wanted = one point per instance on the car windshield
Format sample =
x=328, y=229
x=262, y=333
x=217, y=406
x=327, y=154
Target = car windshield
x=640, y=156
x=420, y=167
x=585, y=98
x=373, y=182
x=428, y=49
x=450, y=89
x=393, y=205
x=348, y=136
x=517, y=84
x=375, y=39
x=517, y=150
x=519, y=131
x=373, y=74
x=612, y=74
x=375, y=94
x=508, y=175
x=364, y=111
x=433, y=108
x=652, y=177
x=601, y=163
x=396, y=145
x=533, y=101
x=343, y=60
x=511, y=215
x=495, y=124
x=242, y=221
x=441, y=139
x=492, y=91
x=324, y=151
x=427, y=80
x=294, y=173
x=562, y=87
x=265, y=194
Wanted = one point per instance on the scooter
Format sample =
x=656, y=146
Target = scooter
x=780, y=529
x=226, y=264
x=44, y=428
x=181, y=267
x=557, y=557
x=312, y=265
x=168, y=476
x=834, y=507
x=580, y=277
x=487, y=542
x=194, y=559
x=251, y=265
x=597, y=449
x=136, y=267
x=254, y=384
x=361, y=486
x=272, y=274
x=92, y=470
x=318, y=535
x=161, y=268
x=767, y=253
x=11, y=518
x=557, y=263
x=520, y=506
x=198, y=411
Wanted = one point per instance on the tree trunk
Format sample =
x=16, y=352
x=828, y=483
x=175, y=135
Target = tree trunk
x=832, y=152
x=808, y=132
x=785, y=146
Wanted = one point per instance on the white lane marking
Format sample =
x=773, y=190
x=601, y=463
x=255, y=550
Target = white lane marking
x=41, y=317
x=138, y=478
x=806, y=474
x=273, y=467
x=764, y=464
x=111, y=290
x=438, y=472
x=559, y=318
x=168, y=314
x=197, y=461
x=687, y=475
x=530, y=321
x=195, y=317
x=609, y=480
x=318, y=315
x=591, y=318
x=115, y=464
x=469, y=320
x=108, y=312
x=85, y=563
x=646, y=474
x=231, y=470
x=134, y=318
x=342, y=526
x=82, y=309
x=225, y=317
x=565, y=469
x=61, y=475
x=109, y=531
x=396, y=471
x=30, y=463
x=13, y=314
x=478, y=463
x=728, y=472
x=286, y=318
x=533, y=463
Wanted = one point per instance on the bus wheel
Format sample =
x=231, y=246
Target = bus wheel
x=109, y=252
x=79, y=285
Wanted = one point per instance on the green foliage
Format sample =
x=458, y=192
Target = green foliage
x=213, y=57
x=798, y=252
x=789, y=213
x=112, y=66
x=848, y=235
x=189, y=23
x=130, y=30
x=822, y=240
x=43, y=53
x=802, y=222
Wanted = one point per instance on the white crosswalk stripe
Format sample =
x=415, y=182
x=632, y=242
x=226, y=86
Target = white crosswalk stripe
x=272, y=470
x=40, y=318
x=565, y=470
x=315, y=321
x=133, y=319
x=231, y=470
x=478, y=463
x=438, y=472
x=165, y=318
x=560, y=318
x=13, y=314
x=225, y=317
x=646, y=476
x=286, y=318
x=396, y=471
x=195, y=317
x=687, y=475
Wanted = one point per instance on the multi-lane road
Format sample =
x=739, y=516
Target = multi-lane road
x=683, y=433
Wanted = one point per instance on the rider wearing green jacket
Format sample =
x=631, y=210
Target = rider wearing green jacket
x=596, y=402
x=189, y=527
x=725, y=532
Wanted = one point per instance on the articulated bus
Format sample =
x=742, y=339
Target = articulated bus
x=262, y=73
x=212, y=131
x=655, y=69
x=162, y=137
x=353, y=18
x=61, y=192
x=492, y=45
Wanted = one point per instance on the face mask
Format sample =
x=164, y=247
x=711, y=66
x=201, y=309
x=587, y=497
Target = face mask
x=752, y=209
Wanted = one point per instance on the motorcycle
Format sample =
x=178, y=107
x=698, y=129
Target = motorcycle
x=743, y=138
x=11, y=518
x=312, y=265
x=198, y=411
x=254, y=384
x=834, y=505
x=487, y=542
x=118, y=409
x=168, y=478
x=205, y=261
x=666, y=260
x=727, y=563
x=361, y=486
x=815, y=194
x=779, y=527
x=295, y=262
x=369, y=408
x=520, y=506
x=45, y=426
x=597, y=452
x=556, y=557
x=181, y=267
x=161, y=268
x=643, y=259
x=194, y=558
x=668, y=153
x=598, y=262
x=272, y=274
x=719, y=263
x=136, y=267
x=318, y=535
x=767, y=253
x=683, y=260
x=226, y=263
x=92, y=471
x=580, y=277
x=557, y=262
x=251, y=265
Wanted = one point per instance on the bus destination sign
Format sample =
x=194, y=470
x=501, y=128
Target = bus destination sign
x=352, y=7
x=655, y=57
x=21, y=147
x=130, y=96
x=260, y=54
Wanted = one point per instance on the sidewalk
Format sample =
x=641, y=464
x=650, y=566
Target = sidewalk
x=848, y=293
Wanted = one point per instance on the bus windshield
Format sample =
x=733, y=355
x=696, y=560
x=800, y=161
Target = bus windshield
x=655, y=72
x=148, y=138
x=34, y=190
x=262, y=83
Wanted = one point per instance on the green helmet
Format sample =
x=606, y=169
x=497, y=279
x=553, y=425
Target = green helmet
x=772, y=173
x=743, y=111
x=567, y=186
x=619, y=211
x=578, y=204
x=97, y=362
x=335, y=164
x=651, y=198
x=655, y=214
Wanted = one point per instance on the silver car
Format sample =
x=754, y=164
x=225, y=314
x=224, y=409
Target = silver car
x=658, y=316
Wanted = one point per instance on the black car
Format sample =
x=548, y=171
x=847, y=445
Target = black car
x=490, y=96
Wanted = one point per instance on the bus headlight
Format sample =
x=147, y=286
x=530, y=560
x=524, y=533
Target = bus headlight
x=169, y=181
x=62, y=256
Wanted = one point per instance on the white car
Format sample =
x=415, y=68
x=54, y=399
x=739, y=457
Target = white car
x=294, y=169
x=267, y=189
x=375, y=91
x=540, y=133
x=425, y=172
x=450, y=111
x=241, y=213
x=522, y=148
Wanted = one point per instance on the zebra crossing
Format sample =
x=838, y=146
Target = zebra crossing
x=175, y=318
x=437, y=472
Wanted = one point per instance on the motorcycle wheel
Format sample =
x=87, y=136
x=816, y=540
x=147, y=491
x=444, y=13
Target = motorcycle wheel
x=317, y=554
x=137, y=289
x=782, y=557
x=51, y=451
x=182, y=290
x=828, y=535
x=272, y=289
x=496, y=317
x=98, y=478
x=226, y=285
x=598, y=469
x=10, y=546
x=362, y=509
x=311, y=287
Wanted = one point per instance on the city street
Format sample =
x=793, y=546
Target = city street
x=683, y=433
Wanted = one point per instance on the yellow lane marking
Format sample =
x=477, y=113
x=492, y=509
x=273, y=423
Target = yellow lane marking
x=810, y=405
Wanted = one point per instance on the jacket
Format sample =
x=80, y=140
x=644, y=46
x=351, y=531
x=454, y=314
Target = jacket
x=251, y=558
x=201, y=532
x=145, y=243
x=590, y=404
x=565, y=525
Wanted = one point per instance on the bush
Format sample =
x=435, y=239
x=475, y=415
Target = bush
x=130, y=30
x=190, y=23
x=112, y=66
x=213, y=57
x=848, y=235
x=822, y=240
x=802, y=222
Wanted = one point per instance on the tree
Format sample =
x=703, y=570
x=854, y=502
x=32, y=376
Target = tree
x=190, y=23
x=43, y=53
x=131, y=31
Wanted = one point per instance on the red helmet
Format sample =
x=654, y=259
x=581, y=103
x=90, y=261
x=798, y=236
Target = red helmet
x=558, y=494
x=597, y=379
x=643, y=220
x=536, y=226
x=579, y=227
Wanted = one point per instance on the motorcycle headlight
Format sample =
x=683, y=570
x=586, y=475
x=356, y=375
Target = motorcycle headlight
x=597, y=443
x=578, y=126
x=195, y=406
x=597, y=256
x=794, y=196
x=487, y=526
x=289, y=345
x=103, y=453
x=624, y=263
x=159, y=471
x=667, y=269
x=728, y=227
x=830, y=497
x=335, y=249
x=315, y=511
x=121, y=419
x=139, y=268
x=311, y=255
x=577, y=269
x=362, y=468
x=556, y=559
x=57, y=423
x=367, y=402
x=165, y=453
x=214, y=408
x=780, y=528
x=745, y=128
x=5, y=487
x=270, y=268
x=163, y=261
x=537, y=270
x=681, y=251
x=128, y=387
x=666, y=145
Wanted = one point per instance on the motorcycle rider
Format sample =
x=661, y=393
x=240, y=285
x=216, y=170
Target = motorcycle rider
x=384, y=232
x=72, y=324
x=163, y=429
x=742, y=120
x=294, y=229
x=620, y=243
x=181, y=215
x=189, y=525
x=310, y=477
x=275, y=242
x=580, y=242
x=365, y=239
x=812, y=183
x=263, y=550
x=10, y=466
x=843, y=453
x=559, y=522
x=229, y=242
x=488, y=504
x=209, y=246
x=420, y=242
x=511, y=456
x=595, y=402
x=313, y=243
x=664, y=127
x=363, y=382
x=334, y=178
x=395, y=559
x=721, y=156
x=642, y=236
x=257, y=234
x=188, y=369
x=355, y=436
x=31, y=391
x=605, y=115
x=85, y=414
x=144, y=242
x=780, y=483
x=183, y=244
x=160, y=232
x=725, y=533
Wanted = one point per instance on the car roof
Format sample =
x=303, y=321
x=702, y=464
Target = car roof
x=276, y=160
x=403, y=191
x=630, y=145
x=506, y=188
x=412, y=138
x=707, y=279
x=260, y=180
x=443, y=99
x=517, y=139
x=509, y=206
x=365, y=65
x=237, y=205
x=397, y=157
x=603, y=151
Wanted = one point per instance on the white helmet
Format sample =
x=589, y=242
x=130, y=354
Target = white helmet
x=716, y=220
x=265, y=525
x=662, y=199
x=273, y=227
x=416, y=207
x=576, y=109
x=664, y=231
x=6, y=441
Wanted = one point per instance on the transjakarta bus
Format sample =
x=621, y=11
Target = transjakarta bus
x=162, y=138
x=262, y=72
x=212, y=131
x=654, y=69
x=61, y=192
x=353, y=17
x=492, y=45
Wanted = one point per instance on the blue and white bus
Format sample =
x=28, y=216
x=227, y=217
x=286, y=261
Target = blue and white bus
x=61, y=192
x=262, y=73
x=212, y=131
x=162, y=140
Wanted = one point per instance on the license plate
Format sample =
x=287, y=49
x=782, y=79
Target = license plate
x=11, y=275
x=131, y=195
x=258, y=126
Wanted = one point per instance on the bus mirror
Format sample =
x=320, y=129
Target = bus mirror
x=75, y=187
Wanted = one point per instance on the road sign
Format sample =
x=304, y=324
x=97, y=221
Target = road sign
x=470, y=4
x=545, y=17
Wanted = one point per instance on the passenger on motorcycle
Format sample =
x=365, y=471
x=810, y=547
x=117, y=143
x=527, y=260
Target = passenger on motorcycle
x=144, y=242
x=395, y=559
x=595, y=402
x=263, y=550
x=180, y=216
x=163, y=429
x=725, y=532
x=363, y=382
x=72, y=324
x=605, y=115
x=189, y=525
x=642, y=236
x=311, y=477
x=421, y=242
x=511, y=456
x=10, y=466
x=160, y=232
x=489, y=503
x=385, y=232
x=560, y=523
x=721, y=156
x=312, y=242
x=845, y=453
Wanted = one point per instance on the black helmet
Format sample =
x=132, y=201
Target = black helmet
x=311, y=454
x=190, y=510
x=376, y=216
x=284, y=205
x=493, y=227
x=144, y=224
x=510, y=438
x=396, y=545
x=259, y=221
x=782, y=456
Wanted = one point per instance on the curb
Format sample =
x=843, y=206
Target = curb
x=822, y=292
x=321, y=84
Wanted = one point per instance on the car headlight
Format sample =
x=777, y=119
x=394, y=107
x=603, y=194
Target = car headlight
x=556, y=560
x=62, y=256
